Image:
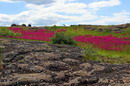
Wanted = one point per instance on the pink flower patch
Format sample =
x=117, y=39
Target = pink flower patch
x=104, y=42
x=40, y=34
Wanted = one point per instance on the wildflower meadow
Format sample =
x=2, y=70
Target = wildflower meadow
x=107, y=46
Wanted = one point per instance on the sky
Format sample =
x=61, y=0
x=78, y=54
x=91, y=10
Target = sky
x=68, y=12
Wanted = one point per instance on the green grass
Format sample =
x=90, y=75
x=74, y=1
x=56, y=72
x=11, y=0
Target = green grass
x=90, y=53
x=6, y=32
x=96, y=54
x=106, y=56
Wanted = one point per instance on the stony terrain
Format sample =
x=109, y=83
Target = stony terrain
x=42, y=64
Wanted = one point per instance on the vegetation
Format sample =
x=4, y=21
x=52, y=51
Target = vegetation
x=29, y=25
x=99, y=45
x=61, y=38
x=4, y=31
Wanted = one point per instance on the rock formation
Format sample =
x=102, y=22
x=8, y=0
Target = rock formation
x=41, y=64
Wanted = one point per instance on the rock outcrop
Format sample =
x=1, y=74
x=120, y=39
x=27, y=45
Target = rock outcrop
x=41, y=64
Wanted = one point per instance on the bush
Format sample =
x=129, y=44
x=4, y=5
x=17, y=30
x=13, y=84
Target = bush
x=46, y=27
x=62, y=38
x=90, y=53
x=29, y=25
x=24, y=25
x=13, y=25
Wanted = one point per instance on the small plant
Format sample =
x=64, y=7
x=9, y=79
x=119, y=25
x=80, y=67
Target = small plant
x=1, y=57
x=90, y=53
x=62, y=38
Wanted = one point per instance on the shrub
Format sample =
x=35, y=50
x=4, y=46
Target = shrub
x=90, y=53
x=24, y=25
x=62, y=38
x=54, y=27
x=29, y=25
x=46, y=27
x=13, y=25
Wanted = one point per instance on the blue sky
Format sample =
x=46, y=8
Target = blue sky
x=59, y=12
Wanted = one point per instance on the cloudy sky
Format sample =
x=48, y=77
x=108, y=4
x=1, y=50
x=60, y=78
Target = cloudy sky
x=59, y=12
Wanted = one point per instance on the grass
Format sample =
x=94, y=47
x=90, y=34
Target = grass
x=96, y=54
x=6, y=32
x=90, y=52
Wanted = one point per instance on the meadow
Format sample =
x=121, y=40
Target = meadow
x=103, y=46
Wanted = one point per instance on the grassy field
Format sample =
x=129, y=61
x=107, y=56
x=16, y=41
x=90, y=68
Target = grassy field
x=92, y=53
x=106, y=46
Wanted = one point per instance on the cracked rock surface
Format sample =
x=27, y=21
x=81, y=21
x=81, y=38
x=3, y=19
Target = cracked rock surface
x=40, y=64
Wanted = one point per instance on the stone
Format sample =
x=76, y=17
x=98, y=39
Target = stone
x=73, y=82
x=81, y=73
x=71, y=61
x=52, y=56
x=34, y=77
x=36, y=69
x=85, y=65
x=88, y=80
x=60, y=76
x=98, y=67
x=31, y=63
x=58, y=67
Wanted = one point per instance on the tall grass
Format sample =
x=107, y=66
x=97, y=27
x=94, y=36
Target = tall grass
x=4, y=31
x=80, y=31
x=97, y=53
x=94, y=53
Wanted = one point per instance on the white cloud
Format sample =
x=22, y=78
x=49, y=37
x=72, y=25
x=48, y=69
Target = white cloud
x=100, y=4
x=61, y=12
x=53, y=14
x=37, y=2
x=116, y=18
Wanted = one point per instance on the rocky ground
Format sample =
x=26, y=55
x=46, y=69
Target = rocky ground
x=42, y=64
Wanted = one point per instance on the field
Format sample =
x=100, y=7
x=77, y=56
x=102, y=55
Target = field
x=99, y=45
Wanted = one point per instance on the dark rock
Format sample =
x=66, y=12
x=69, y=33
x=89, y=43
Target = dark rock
x=60, y=76
x=71, y=61
x=40, y=64
x=88, y=80
x=58, y=67
x=73, y=82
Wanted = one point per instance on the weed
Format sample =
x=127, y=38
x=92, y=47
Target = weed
x=90, y=53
